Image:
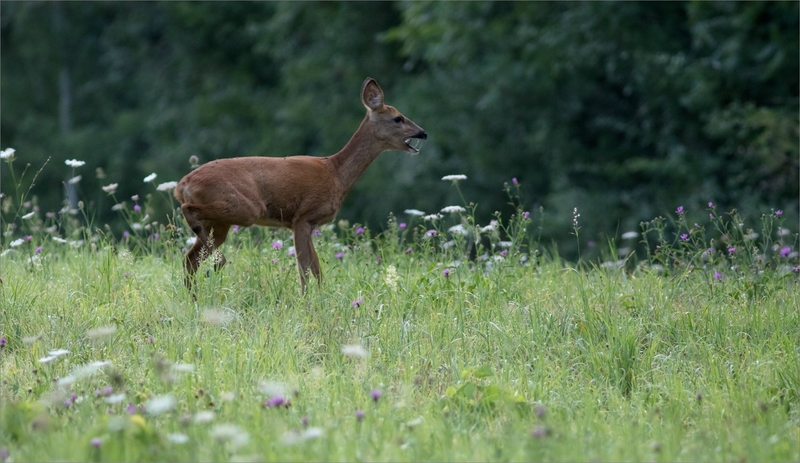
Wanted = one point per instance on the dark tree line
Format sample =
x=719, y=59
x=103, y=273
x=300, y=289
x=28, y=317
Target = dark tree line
x=624, y=110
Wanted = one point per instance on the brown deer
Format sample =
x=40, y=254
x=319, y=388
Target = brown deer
x=296, y=192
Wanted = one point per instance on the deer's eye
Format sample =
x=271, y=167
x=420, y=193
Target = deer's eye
x=399, y=119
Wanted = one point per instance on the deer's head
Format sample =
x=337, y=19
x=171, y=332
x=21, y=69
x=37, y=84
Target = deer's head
x=389, y=126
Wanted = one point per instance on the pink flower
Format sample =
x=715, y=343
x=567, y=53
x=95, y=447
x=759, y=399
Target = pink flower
x=785, y=251
x=360, y=231
x=402, y=225
x=679, y=210
x=358, y=302
x=277, y=244
x=446, y=272
x=339, y=255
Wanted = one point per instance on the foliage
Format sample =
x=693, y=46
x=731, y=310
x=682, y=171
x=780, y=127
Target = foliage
x=619, y=109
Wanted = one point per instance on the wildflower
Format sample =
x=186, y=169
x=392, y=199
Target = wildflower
x=454, y=178
x=458, y=229
x=446, y=272
x=783, y=231
x=115, y=398
x=358, y=302
x=679, y=210
x=526, y=214
x=731, y=249
x=402, y=225
x=74, y=180
x=453, y=209
x=360, y=231
x=718, y=276
x=491, y=227
x=7, y=154
x=160, y=404
x=414, y=212
x=194, y=161
x=359, y=415
x=432, y=217
x=53, y=354
x=275, y=260
x=505, y=244
x=354, y=350
x=131, y=409
x=235, y=229
x=107, y=391
x=796, y=269
x=431, y=233
x=230, y=433
x=629, y=235
x=96, y=442
x=150, y=178
x=316, y=232
x=590, y=244
x=778, y=213
x=539, y=431
x=74, y=163
x=118, y=206
x=16, y=242
x=28, y=215
x=514, y=181
x=2, y=342
x=709, y=251
x=540, y=411
x=376, y=394
x=291, y=251
x=167, y=186
x=710, y=204
x=137, y=207
x=408, y=250
x=294, y=437
x=339, y=255
x=277, y=401
x=684, y=237
x=177, y=438
x=785, y=251
x=205, y=416
x=277, y=244
x=504, y=252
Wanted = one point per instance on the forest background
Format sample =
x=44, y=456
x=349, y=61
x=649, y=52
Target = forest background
x=624, y=110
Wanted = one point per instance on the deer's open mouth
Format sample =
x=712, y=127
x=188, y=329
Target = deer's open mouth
x=413, y=144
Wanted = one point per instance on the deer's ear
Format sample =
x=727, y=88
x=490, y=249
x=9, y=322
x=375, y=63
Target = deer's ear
x=371, y=94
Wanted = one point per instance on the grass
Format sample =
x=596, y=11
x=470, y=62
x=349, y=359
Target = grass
x=686, y=355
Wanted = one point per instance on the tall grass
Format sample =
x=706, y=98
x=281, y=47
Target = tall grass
x=409, y=351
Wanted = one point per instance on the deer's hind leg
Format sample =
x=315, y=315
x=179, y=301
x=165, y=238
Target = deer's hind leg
x=210, y=236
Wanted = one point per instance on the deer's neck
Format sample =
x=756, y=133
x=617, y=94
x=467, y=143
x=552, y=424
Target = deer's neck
x=351, y=162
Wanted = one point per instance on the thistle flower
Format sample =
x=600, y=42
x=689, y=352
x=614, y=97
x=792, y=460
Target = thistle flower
x=360, y=231
x=359, y=415
x=358, y=302
x=376, y=395
x=277, y=244
x=785, y=251
x=2, y=342
x=339, y=255
x=684, y=237
x=731, y=249
x=96, y=442
x=710, y=204
x=431, y=233
x=446, y=272
x=150, y=178
x=402, y=225
x=679, y=210
x=137, y=207
x=718, y=276
x=409, y=250
x=514, y=181
x=74, y=163
x=778, y=213
x=277, y=401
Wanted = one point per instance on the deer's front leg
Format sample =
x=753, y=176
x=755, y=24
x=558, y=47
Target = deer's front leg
x=306, y=256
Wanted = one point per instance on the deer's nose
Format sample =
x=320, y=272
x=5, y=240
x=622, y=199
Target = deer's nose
x=422, y=135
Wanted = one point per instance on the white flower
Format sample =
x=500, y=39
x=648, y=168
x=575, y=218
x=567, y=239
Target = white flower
x=59, y=240
x=74, y=163
x=352, y=350
x=28, y=215
x=160, y=404
x=16, y=242
x=454, y=178
x=191, y=240
x=110, y=189
x=115, y=399
x=505, y=244
x=432, y=217
x=629, y=235
x=452, y=209
x=167, y=186
x=205, y=416
x=7, y=154
x=491, y=227
x=178, y=438
x=150, y=178
x=414, y=212
x=458, y=229
x=230, y=433
x=53, y=354
x=74, y=180
x=118, y=206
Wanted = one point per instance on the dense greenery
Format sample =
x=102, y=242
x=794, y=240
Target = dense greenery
x=624, y=110
x=409, y=351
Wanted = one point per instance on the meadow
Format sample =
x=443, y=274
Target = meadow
x=410, y=350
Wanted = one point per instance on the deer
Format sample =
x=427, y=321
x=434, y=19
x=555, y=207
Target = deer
x=296, y=192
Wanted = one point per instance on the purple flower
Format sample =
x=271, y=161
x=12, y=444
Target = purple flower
x=540, y=411
x=796, y=269
x=376, y=394
x=339, y=255
x=107, y=391
x=446, y=272
x=360, y=231
x=235, y=229
x=73, y=396
x=431, y=233
x=379, y=260
x=131, y=409
x=275, y=260
x=514, y=181
x=277, y=244
x=67, y=403
x=358, y=302
x=408, y=251
x=539, y=431
x=154, y=236
x=2, y=342
x=710, y=204
x=137, y=208
x=778, y=213
x=710, y=216
x=504, y=252
x=709, y=251
x=126, y=234
x=150, y=340
x=28, y=238
x=3, y=454
x=526, y=214
x=292, y=252
x=679, y=210
x=359, y=415
x=96, y=442
x=277, y=401
x=37, y=251
x=731, y=249
x=785, y=251
x=316, y=232
x=718, y=276
x=684, y=237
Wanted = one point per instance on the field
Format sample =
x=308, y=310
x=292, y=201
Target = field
x=407, y=352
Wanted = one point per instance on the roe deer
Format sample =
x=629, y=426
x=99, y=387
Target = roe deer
x=296, y=192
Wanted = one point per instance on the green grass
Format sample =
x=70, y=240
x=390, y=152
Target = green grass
x=499, y=359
